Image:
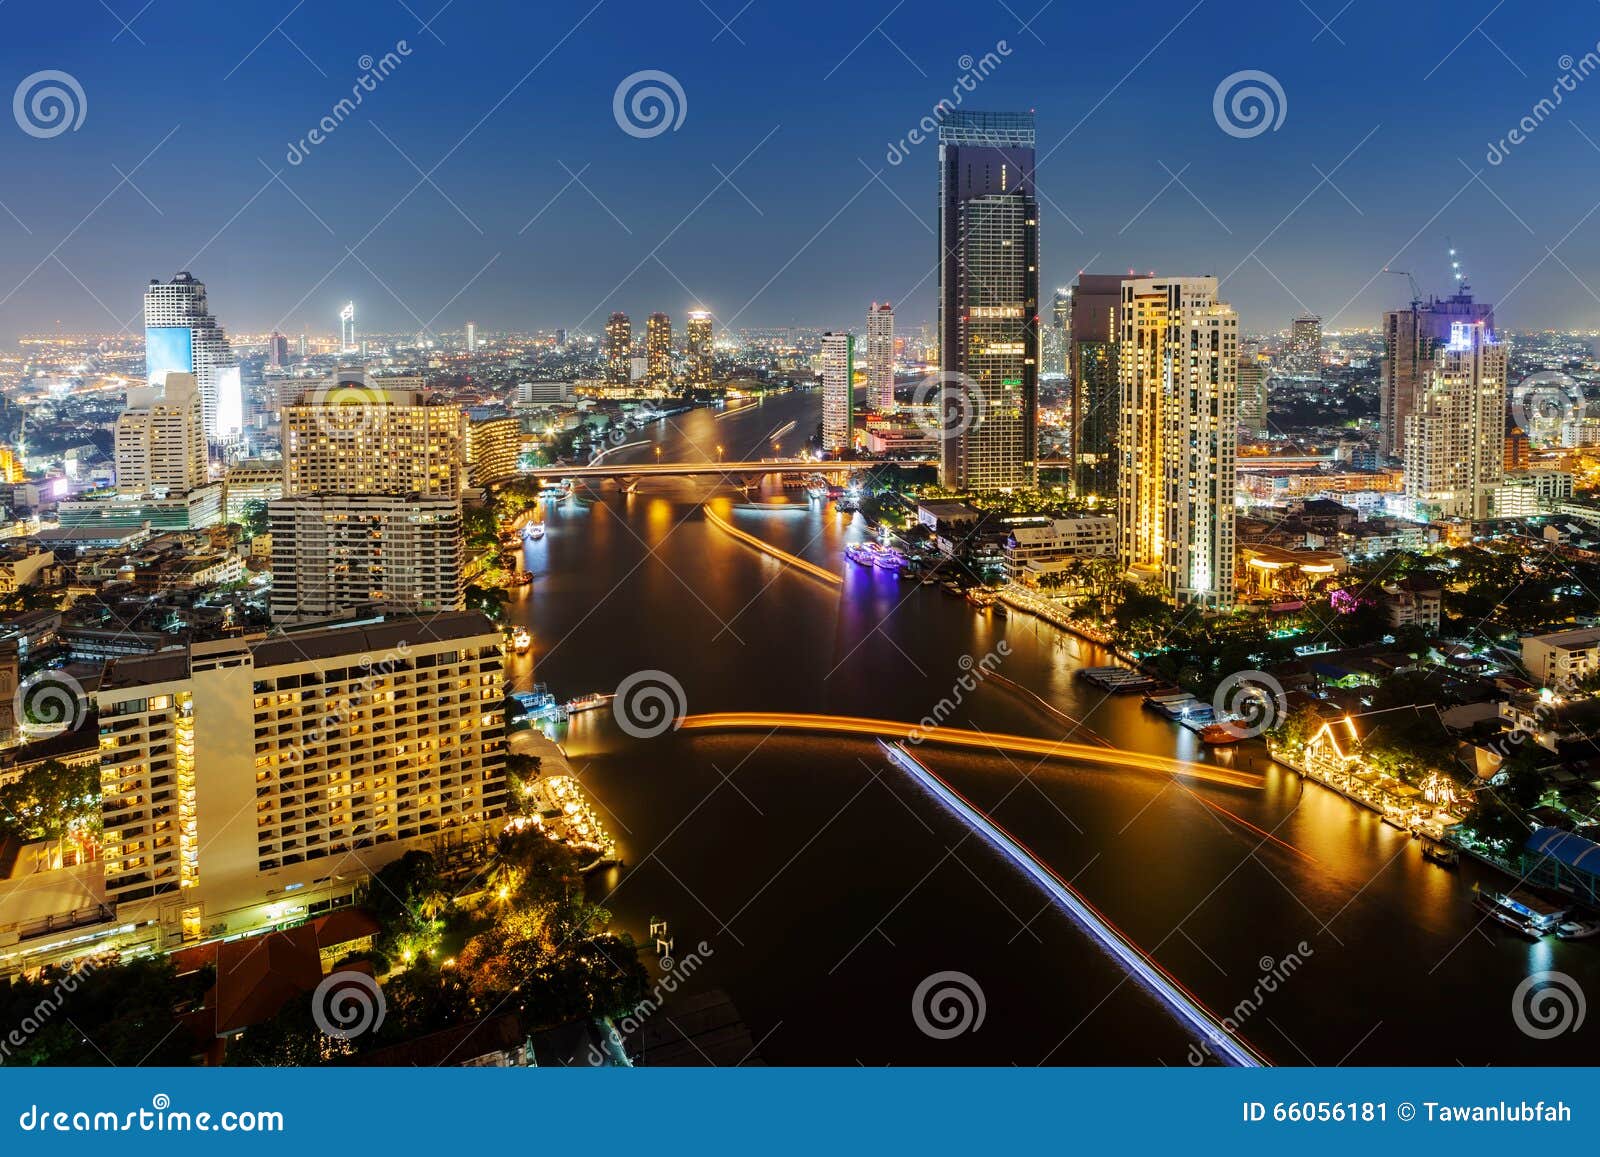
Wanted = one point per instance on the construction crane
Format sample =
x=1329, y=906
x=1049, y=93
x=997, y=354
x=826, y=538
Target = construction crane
x=1416, y=290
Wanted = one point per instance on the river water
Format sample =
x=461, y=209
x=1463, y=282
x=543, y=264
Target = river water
x=827, y=887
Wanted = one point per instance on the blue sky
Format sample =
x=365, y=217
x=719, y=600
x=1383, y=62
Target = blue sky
x=541, y=211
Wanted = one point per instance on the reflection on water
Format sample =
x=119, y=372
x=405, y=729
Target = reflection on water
x=830, y=887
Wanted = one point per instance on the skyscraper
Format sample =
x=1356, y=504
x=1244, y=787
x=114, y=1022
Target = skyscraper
x=619, y=350
x=347, y=329
x=360, y=435
x=1091, y=333
x=1252, y=395
x=159, y=441
x=1410, y=338
x=1053, y=338
x=838, y=390
x=880, y=357
x=1455, y=433
x=181, y=336
x=277, y=350
x=699, y=334
x=1305, y=344
x=988, y=301
x=472, y=337
x=1178, y=363
x=658, y=354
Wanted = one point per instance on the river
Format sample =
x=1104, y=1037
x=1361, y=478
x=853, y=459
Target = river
x=827, y=887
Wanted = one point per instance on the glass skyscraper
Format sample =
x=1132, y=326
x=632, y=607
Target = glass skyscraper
x=988, y=301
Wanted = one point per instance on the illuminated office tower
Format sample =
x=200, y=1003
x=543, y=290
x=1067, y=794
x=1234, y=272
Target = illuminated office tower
x=1252, y=396
x=988, y=301
x=277, y=350
x=1455, y=433
x=159, y=442
x=252, y=780
x=1091, y=356
x=699, y=334
x=1178, y=371
x=880, y=357
x=181, y=336
x=1410, y=338
x=472, y=337
x=838, y=390
x=347, y=329
x=356, y=435
x=658, y=354
x=1305, y=344
x=619, y=350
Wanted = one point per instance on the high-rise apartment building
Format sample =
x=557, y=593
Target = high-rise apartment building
x=1253, y=396
x=472, y=337
x=347, y=329
x=492, y=449
x=619, y=350
x=1410, y=338
x=880, y=357
x=159, y=442
x=838, y=390
x=249, y=782
x=658, y=354
x=277, y=350
x=988, y=301
x=333, y=553
x=356, y=435
x=1454, y=438
x=1092, y=368
x=699, y=350
x=1178, y=370
x=1305, y=344
x=181, y=336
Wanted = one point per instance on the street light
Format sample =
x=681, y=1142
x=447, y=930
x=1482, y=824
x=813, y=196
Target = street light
x=719, y=453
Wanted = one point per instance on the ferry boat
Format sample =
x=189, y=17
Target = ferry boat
x=534, y=530
x=887, y=558
x=1220, y=735
x=1502, y=915
x=1578, y=929
x=521, y=640
x=1442, y=854
x=865, y=553
x=587, y=702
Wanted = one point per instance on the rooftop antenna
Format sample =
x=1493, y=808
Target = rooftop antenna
x=1456, y=272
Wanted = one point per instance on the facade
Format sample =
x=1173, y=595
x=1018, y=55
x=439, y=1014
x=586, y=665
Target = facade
x=347, y=329
x=1454, y=434
x=160, y=441
x=1253, y=396
x=384, y=437
x=252, y=480
x=194, y=510
x=699, y=337
x=1561, y=660
x=1178, y=367
x=658, y=354
x=1410, y=337
x=348, y=747
x=333, y=553
x=181, y=336
x=880, y=357
x=1033, y=551
x=619, y=350
x=1305, y=344
x=838, y=391
x=1091, y=328
x=472, y=337
x=988, y=301
x=492, y=448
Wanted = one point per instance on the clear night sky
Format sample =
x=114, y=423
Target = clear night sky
x=798, y=104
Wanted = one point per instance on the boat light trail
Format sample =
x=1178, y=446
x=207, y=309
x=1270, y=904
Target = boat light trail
x=979, y=740
x=1227, y=1044
x=771, y=551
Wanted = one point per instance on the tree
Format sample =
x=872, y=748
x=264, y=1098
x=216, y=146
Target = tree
x=254, y=514
x=122, y=1014
x=408, y=900
x=49, y=798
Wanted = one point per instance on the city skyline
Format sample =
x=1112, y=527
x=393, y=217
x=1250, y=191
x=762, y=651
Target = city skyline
x=718, y=215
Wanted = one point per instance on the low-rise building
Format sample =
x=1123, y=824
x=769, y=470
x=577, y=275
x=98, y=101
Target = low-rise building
x=1053, y=545
x=1561, y=660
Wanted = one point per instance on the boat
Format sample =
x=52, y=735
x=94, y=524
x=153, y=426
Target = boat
x=1220, y=735
x=587, y=702
x=1495, y=911
x=521, y=640
x=522, y=578
x=534, y=530
x=1578, y=929
x=1443, y=855
x=952, y=588
x=887, y=558
x=1000, y=611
